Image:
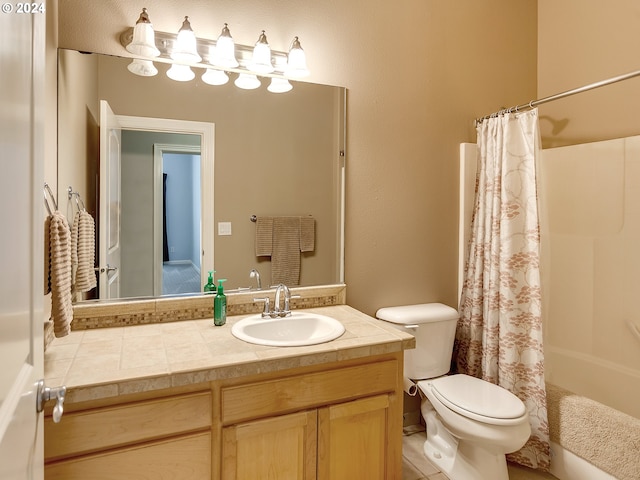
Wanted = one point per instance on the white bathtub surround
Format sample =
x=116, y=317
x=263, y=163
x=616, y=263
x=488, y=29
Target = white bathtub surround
x=499, y=337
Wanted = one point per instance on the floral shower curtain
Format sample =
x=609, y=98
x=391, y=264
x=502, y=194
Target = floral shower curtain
x=499, y=335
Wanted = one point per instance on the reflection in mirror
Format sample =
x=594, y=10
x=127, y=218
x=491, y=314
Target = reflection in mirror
x=275, y=155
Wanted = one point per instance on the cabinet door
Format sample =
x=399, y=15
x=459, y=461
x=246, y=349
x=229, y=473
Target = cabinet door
x=352, y=439
x=282, y=448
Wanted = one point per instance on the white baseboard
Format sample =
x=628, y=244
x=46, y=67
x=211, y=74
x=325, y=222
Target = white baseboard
x=568, y=466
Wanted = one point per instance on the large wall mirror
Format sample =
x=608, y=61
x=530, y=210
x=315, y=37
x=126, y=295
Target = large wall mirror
x=269, y=155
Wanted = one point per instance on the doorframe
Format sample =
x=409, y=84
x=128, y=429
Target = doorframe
x=206, y=131
x=158, y=150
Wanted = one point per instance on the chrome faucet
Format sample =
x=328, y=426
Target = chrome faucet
x=277, y=311
x=255, y=274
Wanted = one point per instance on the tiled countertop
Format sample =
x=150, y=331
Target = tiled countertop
x=107, y=362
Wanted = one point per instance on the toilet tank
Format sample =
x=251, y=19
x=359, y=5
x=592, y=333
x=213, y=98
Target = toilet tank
x=434, y=326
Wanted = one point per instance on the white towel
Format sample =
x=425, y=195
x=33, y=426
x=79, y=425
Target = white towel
x=58, y=264
x=83, y=250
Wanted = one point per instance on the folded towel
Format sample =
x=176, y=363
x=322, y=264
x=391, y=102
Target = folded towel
x=59, y=267
x=307, y=234
x=285, y=257
x=264, y=236
x=83, y=249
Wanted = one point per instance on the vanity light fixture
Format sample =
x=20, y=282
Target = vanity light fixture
x=296, y=61
x=211, y=76
x=247, y=81
x=261, y=60
x=144, y=42
x=144, y=68
x=184, y=48
x=185, y=51
x=279, y=85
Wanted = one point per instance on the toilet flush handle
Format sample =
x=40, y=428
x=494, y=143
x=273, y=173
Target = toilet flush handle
x=411, y=327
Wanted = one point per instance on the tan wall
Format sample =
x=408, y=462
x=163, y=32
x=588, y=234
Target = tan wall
x=589, y=198
x=78, y=135
x=579, y=43
x=417, y=73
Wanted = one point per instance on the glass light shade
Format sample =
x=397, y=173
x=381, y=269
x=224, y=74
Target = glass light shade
x=261, y=59
x=184, y=48
x=224, y=54
x=296, y=61
x=214, y=77
x=180, y=73
x=144, y=38
x=144, y=68
x=279, y=85
x=246, y=81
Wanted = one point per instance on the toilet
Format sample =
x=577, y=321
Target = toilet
x=471, y=424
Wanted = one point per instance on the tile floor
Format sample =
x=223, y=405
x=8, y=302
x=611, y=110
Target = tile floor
x=415, y=465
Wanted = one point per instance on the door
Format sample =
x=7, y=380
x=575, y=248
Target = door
x=110, y=203
x=21, y=243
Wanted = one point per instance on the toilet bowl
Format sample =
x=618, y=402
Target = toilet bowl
x=471, y=424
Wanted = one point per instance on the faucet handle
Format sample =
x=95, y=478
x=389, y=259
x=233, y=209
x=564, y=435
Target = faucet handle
x=287, y=305
x=267, y=311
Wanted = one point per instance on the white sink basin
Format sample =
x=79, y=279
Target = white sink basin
x=298, y=329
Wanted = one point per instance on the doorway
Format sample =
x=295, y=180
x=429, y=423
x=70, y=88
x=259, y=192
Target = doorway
x=181, y=265
x=186, y=139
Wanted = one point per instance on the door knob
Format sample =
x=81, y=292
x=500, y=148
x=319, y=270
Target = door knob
x=45, y=394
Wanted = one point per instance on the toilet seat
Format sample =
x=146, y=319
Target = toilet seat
x=479, y=400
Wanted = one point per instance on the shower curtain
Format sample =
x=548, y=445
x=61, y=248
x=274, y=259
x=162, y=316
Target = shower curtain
x=499, y=334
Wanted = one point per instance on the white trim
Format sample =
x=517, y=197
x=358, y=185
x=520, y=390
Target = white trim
x=207, y=141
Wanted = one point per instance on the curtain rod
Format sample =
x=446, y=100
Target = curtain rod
x=557, y=96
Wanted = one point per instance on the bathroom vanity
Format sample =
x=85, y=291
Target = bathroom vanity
x=201, y=404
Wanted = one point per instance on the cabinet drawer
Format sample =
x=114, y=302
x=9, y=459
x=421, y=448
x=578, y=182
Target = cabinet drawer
x=91, y=430
x=273, y=397
x=186, y=457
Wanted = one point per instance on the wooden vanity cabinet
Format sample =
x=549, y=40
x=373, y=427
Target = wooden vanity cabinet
x=337, y=424
x=336, y=421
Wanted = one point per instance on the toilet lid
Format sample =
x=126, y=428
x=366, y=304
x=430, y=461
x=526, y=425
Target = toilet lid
x=479, y=400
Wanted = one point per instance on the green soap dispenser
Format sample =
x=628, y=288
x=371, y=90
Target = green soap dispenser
x=210, y=287
x=220, y=305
